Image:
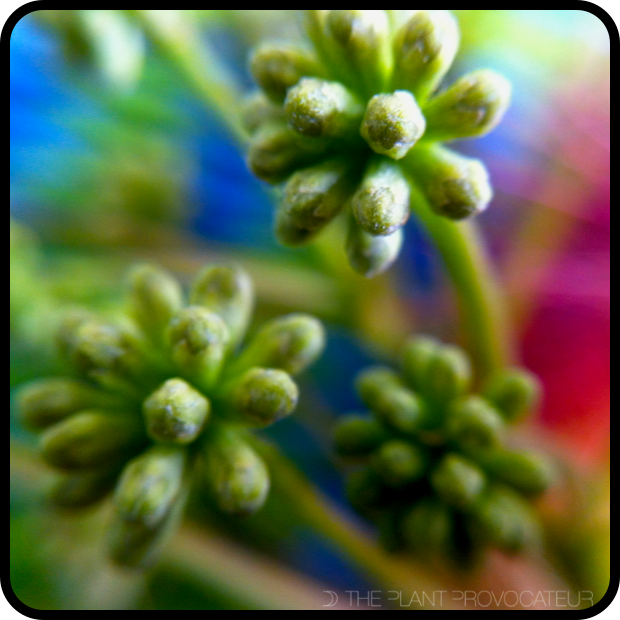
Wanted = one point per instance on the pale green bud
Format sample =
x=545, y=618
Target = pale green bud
x=470, y=108
x=318, y=108
x=290, y=343
x=175, y=412
x=228, y=292
x=91, y=439
x=358, y=435
x=150, y=484
x=416, y=357
x=82, y=488
x=455, y=186
x=399, y=462
x=474, y=424
x=155, y=297
x=276, y=69
x=371, y=255
x=457, y=481
x=49, y=401
x=424, y=49
x=312, y=198
x=449, y=375
x=393, y=123
x=257, y=111
x=199, y=339
x=515, y=392
x=427, y=528
x=262, y=396
x=527, y=472
x=238, y=476
x=381, y=204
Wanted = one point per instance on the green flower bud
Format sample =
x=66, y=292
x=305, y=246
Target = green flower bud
x=257, y=111
x=424, y=49
x=358, y=435
x=361, y=39
x=262, y=396
x=150, y=485
x=228, y=292
x=417, y=355
x=317, y=108
x=199, y=339
x=276, y=69
x=49, y=401
x=427, y=528
x=90, y=439
x=528, y=472
x=372, y=255
x=381, y=204
x=505, y=520
x=237, y=475
x=68, y=329
x=474, y=424
x=155, y=297
x=312, y=198
x=175, y=412
x=290, y=343
x=514, y=392
x=399, y=462
x=276, y=151
x=393, y=123
x=82, y=488
x=457, y=481
x=395, y=405
x=472, y=107
x=449, y=375
x=456, y=187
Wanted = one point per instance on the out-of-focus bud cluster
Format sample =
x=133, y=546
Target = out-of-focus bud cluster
x=165, y=398
x=434, y=469
x=355, y=120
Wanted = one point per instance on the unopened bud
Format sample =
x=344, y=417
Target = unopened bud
x=257, y=111
x=456, y=187
x=80, y=489
x=474, y=424
x=457, y=481
x=527, y=472
x=472, y=107
x=417, y=355
x=175, y=412
x=449, y=375
x=399, y=462
x=393, y=123
x=358, y=435
x=381, y=204
x=427, y=528
x=372, y=255
x=515, y=392
x=424, y=49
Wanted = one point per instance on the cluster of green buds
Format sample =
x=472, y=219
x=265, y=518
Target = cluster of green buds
x=434, y=468
x=166, y=398
x=357, y=120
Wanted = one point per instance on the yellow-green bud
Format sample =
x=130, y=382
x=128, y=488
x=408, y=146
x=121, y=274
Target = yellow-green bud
x=472, y=107
x=373, y=383
x=417, y=355
x=312, y=198
x=515, y=392
x=427, y=528
x=150, y=484
x=175, y=412
x=262, y=396
x=199, y=339
x=91, y=439
x=290, y=343
x=424, y=49
x=449, y=375
x=238, y=476
x=455, y=186
x=528, y=472
x=371, y=255
x=228, y=292
x=393, y=123
x=381, y=204
x=49, y=401
x=82, y=488
x=457, y=481
x=257, y=111
x=155, y=297
x=358, y=435
x=399, y=462
x=276, y=69
x=318, y=108
x=474, y=424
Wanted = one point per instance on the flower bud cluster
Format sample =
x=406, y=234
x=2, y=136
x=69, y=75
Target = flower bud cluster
x=434, y=467
x=356, y=120
x=165, y=398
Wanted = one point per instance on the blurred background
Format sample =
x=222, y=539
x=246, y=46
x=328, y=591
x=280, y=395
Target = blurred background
x=116, y=158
